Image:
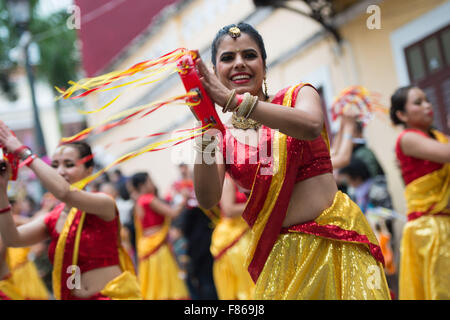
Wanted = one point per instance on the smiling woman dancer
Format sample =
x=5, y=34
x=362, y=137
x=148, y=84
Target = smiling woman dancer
x=424, y=157
x=309, y=241
x=88, y=261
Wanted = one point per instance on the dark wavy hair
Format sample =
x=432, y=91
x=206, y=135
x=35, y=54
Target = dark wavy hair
x=244, y=27
x=398, y=103
x=140, y=178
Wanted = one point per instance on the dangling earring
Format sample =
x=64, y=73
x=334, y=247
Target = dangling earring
x=266, y=92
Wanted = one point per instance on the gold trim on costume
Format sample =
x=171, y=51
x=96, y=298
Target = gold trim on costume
x=59, y=253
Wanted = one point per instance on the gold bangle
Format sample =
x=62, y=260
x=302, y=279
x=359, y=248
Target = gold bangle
x=230, y=99
x=254, y=103
x=243, y=107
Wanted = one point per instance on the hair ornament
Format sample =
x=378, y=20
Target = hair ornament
x=234, y=32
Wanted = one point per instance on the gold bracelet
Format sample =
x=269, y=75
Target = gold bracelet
x=230, y=99
x=254, y=103
x=246, y=103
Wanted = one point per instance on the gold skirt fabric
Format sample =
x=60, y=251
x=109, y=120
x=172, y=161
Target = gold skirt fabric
x=25, y=275
x=229, y=246
x=159, y=276
x=123, y=287
x=8, y=291
x=425, y=259
x=308, y=267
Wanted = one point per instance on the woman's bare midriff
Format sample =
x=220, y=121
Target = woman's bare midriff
x=93, y=281
x=151, y=230
x=309, y=198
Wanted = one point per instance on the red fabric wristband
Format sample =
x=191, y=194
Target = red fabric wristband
x=29, y=160
x=4, y=210
x=19, y=150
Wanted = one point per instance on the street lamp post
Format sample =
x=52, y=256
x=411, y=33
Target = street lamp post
x=20, y=14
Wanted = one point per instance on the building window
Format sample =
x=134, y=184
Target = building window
x=428, y=63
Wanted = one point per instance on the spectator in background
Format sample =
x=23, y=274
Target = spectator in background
x=357, y=177
x=362, y=152
x=177, y=238
x=196, y=226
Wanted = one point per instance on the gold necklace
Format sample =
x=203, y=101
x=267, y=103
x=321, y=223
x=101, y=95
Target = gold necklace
x=242, y=123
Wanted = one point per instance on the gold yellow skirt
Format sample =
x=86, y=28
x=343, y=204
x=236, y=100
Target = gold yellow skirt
x=123, y=287
x=25, y=275
x=308, y=267
x=231, y=277
x=159, y=276
x=8, y=291
x=425, y=259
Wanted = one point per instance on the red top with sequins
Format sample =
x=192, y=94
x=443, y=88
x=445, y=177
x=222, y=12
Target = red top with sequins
x=413, y=168
x=151, y=217
x=241, y=160
x=98, y=242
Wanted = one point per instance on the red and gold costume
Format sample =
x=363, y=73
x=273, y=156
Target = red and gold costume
x=89, y=242
x=425, y=247
x=25, y=275
x=335, y=256
x=229, y=243
x=158, y=272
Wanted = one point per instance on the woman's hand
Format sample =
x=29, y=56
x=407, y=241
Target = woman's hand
x=8, y=139
x=349, y=117
x=215, y=89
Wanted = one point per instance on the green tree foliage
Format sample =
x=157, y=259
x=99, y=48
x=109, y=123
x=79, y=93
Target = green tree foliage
x=59, y=53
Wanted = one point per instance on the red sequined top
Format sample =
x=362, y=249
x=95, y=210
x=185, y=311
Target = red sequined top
x=242, y=163
x=98, y=243
x=151, y=218
x=413, y=168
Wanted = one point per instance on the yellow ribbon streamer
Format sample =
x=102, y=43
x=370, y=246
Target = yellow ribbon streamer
x=82, y=183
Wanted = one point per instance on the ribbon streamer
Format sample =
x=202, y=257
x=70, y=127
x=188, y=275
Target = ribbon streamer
x=125, y=117
x=149, y=148
x=90, y=85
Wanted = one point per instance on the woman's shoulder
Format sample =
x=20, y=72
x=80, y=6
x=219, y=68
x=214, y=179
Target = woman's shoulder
x=146, y=199
x=51, y=217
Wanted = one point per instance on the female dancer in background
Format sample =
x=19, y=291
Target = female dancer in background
x=158, y=272
x=8, y=291
x=88, y=261
x=309, y=241
x=424, y=155
x=24, y=273
x=229, y=244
